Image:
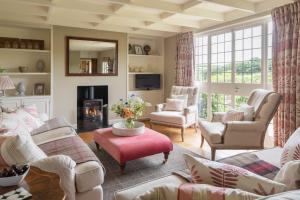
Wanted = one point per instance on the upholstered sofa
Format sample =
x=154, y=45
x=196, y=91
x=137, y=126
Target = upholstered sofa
x=88, y=171
x=65, y=153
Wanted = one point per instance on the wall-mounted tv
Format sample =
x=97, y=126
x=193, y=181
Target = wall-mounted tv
x=147, y=81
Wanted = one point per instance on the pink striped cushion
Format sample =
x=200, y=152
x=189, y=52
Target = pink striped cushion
x=233, y=115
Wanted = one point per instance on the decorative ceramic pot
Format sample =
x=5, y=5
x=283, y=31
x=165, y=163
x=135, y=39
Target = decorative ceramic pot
x=21, y=88
x=147, y=49
x=120, y=129
x=40, y=65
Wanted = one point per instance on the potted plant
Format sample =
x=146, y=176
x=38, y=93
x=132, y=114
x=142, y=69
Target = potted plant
x=130, y=110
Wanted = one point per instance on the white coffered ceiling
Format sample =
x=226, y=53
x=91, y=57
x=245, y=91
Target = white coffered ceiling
x=153, y=17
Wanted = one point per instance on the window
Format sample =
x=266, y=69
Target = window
x=221, y=48
x=202, y=105
x=220, y=102
x=240, y=100
x=248, y=55
x=201, y=58
x=230, y=64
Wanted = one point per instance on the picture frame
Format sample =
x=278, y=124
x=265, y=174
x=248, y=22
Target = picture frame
x=39, y=89
x=138, y=49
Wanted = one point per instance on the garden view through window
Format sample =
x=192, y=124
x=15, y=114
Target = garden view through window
x=229, y=62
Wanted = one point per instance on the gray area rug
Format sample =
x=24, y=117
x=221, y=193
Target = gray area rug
x=138, y=171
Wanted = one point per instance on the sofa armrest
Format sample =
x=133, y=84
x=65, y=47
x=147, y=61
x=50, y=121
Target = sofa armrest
x=88, y=175
x=218, y=116
x=64, y=166
x=190, y=109
x=159, y=107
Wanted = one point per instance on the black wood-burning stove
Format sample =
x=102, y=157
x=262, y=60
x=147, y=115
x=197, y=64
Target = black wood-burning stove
x=92, y=107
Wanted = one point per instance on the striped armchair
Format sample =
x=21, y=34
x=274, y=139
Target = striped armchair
x=188, y=117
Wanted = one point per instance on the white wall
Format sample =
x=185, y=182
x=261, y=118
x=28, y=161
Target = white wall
x=170, y=64
x=65, y=88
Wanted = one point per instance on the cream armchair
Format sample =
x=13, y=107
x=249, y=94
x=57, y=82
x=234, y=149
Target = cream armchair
x=188, y=117
x=242, y=134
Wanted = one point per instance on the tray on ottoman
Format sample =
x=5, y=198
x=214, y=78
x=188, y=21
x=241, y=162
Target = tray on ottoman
x=124, y=149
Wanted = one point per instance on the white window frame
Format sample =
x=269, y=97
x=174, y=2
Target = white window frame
x=207, y=87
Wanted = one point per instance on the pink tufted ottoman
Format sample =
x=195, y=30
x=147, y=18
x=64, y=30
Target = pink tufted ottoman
x=124, y=149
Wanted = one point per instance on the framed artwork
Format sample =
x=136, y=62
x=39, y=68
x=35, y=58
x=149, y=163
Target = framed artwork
x=39, y=89
x=138, y=49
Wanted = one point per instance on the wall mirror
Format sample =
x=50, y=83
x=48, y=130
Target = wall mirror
x=91, y=57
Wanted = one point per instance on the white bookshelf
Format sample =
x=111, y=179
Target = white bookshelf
x=11, y=58
x=146, y=64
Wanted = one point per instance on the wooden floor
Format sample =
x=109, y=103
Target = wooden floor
x=192, y=141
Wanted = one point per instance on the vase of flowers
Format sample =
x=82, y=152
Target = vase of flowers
x=130, y=110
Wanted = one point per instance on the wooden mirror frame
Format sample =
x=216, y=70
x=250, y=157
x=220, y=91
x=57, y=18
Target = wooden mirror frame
x=67, y=72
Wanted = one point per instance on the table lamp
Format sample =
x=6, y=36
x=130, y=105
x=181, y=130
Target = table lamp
x=5, y=84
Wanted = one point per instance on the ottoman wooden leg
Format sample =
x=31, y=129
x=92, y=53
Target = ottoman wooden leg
x=122, y=166
x=166, y=155
x=97, y=146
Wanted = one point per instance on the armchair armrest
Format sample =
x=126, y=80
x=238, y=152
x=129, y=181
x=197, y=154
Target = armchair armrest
x=190, y=109
x=244, y=133
x=159, y=107
x=243, y=126
x=218, y=116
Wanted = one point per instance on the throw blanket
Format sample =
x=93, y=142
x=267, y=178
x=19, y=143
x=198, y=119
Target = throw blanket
x=252, y=163
x=53, y=129
x=195, y=192
x=73, y=147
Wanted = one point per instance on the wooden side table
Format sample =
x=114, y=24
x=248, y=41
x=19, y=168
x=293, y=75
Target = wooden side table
x=41, y=184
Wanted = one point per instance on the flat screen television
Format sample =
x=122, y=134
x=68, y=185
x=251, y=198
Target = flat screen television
x=147, y=81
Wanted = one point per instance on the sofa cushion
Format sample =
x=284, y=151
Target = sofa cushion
x=289, y=175
x=174, y=105
x=248, y=111
x=183, y=97
x=88, y=175
x=291, y=195
x=169, y=117
x=291, y=149
x=20, y=149
x=194, y=191
x=223, y=175
x=132, y=192
x=233, y=115
x=20, y=122
x=212, y=131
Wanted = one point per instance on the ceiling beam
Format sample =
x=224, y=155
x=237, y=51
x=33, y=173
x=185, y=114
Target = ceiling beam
x=171, y=8
x=190, y=4
x=106, y=12
x=242, y=5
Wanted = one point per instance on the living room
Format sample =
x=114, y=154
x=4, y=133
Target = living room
x=149, y=99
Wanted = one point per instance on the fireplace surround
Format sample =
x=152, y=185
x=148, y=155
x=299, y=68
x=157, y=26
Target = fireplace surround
x=92, y=107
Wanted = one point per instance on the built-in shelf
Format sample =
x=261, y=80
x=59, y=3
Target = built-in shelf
x=140, y=91
x=143, y=73
x=24, y=50
x=145, y=56
x=25, y=73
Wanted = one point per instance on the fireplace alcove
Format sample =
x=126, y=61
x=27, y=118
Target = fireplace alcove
x=92, y=107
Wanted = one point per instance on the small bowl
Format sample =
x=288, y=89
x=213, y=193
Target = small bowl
x=13, y=180
x=23, y=69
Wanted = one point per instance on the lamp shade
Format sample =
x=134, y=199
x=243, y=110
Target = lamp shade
x=6, y=83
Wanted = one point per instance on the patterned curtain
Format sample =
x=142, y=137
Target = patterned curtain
x=185, y=59
x=286, y=69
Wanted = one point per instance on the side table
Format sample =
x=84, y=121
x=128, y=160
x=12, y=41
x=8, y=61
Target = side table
x=41, y=184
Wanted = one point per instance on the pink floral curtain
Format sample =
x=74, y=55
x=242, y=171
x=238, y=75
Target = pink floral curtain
x=286, y=69
x=185, y=59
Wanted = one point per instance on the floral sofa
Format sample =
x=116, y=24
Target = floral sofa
x=265, y=174
x=53, y=146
